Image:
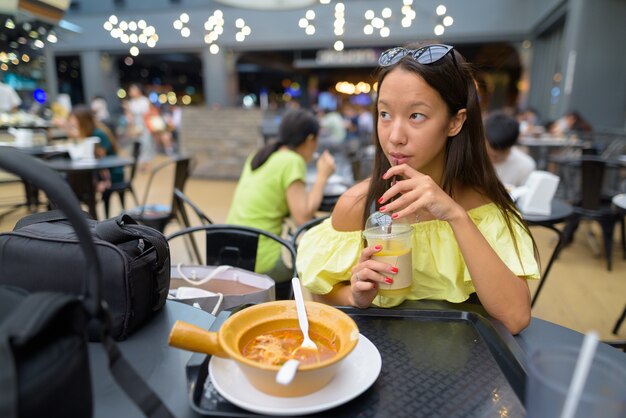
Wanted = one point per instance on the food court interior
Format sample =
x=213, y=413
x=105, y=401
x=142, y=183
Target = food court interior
x=219, y=75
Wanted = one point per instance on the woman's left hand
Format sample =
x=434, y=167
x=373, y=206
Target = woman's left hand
x=417, y=196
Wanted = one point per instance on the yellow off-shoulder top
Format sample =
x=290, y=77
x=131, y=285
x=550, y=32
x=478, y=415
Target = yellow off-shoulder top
x=326, y=257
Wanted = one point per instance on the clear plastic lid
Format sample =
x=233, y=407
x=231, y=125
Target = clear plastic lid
x=381, y=225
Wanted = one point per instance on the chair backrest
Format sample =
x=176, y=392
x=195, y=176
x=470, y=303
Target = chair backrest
x=234, y=245
x=183, y=171
x=592, y=178
x=181, y=201
x=305, y=227
x=181, y=174
x=135, y=154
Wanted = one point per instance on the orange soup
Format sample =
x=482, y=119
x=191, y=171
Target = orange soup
x=276, y=347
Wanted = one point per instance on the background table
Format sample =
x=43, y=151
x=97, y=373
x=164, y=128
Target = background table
x=541, y=148
x=163, y=367
x=80, y=175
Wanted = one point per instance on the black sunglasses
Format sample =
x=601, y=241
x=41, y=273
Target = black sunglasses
x=425, y=55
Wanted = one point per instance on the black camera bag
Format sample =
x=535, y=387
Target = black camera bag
x=44, y=358
x=42, y=253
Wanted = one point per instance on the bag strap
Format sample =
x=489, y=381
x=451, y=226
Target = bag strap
x=134, y=386
x=124, y=228
x=40, y=217
x=26, y=320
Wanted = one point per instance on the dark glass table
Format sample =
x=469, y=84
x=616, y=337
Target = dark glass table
x=163, y=367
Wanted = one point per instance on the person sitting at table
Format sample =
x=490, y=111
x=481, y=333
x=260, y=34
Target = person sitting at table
x=272, y=187
x=512, y=165
x=570, y=123
x=82, y=124
x=431, y=169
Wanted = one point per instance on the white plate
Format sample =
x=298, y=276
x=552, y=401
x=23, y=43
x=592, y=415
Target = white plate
x=356, y=374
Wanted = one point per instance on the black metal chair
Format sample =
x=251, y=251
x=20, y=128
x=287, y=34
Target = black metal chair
x=181, y=202
x=158, y=215
x=594, y=204
x=123, y=186
x=236, y=246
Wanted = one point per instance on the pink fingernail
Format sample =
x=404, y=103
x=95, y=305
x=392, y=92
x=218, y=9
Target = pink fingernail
x=388, y=280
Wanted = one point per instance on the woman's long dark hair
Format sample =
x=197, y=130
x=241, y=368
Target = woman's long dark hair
x=87, y=123
x=466, y=162
x=294, y=129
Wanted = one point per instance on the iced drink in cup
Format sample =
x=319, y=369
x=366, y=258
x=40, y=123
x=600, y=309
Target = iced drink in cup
x=395, y=241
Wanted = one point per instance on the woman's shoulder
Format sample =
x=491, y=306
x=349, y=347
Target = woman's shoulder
x=348, y=212
x=101, y=134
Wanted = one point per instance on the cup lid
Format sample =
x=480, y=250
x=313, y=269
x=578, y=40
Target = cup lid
x=380, y=225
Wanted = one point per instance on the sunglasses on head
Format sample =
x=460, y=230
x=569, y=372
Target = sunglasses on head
x=425, y=55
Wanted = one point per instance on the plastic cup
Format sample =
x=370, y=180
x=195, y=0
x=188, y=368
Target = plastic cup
x=550, y=372
x=397, y=251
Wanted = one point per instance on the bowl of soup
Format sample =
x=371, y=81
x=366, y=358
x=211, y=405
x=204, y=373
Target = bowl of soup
x=261, y=338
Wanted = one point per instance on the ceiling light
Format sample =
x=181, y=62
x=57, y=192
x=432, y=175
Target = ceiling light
x=268, y=4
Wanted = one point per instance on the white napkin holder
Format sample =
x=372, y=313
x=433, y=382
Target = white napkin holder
x=537, y=193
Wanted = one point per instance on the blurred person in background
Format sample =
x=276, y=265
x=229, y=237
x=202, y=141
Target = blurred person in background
x=138, y=111
x=333, y=130
x=100, y=109
x=512, y=165
x=529, y=121
x=164, y=136
x=9, y=99
x=83, y=124
x=570, y=123
x=272, y=187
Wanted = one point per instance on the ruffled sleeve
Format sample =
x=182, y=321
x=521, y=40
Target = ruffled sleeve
x=326, y=256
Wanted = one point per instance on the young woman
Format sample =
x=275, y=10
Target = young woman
x=82, y=124
x=467, y=236
x=272, y=187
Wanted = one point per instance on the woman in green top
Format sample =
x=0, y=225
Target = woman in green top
x=82, y=124
x=467, y=236
x=272, y=187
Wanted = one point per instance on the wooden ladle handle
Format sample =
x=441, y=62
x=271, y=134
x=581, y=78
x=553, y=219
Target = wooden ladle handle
x=192, y=338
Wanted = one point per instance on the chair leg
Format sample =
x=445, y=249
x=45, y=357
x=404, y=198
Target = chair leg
x=106, y=198
x=570, y=229
x=132, y=192
x=608, y=226
x=619, y=322
x=623, y=222
x=121, y=195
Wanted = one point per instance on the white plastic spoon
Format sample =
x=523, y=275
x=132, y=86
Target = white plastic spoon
x=288, y=370
x=302, y=319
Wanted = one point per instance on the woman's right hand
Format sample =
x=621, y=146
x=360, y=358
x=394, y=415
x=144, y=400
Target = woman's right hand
x=325, y=165
x=367, y=274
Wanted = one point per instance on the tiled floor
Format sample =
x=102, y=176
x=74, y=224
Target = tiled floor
x=580, y=293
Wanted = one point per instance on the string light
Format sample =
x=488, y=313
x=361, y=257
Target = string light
x=180, y=24
x=214, y=27
x=133, y=32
